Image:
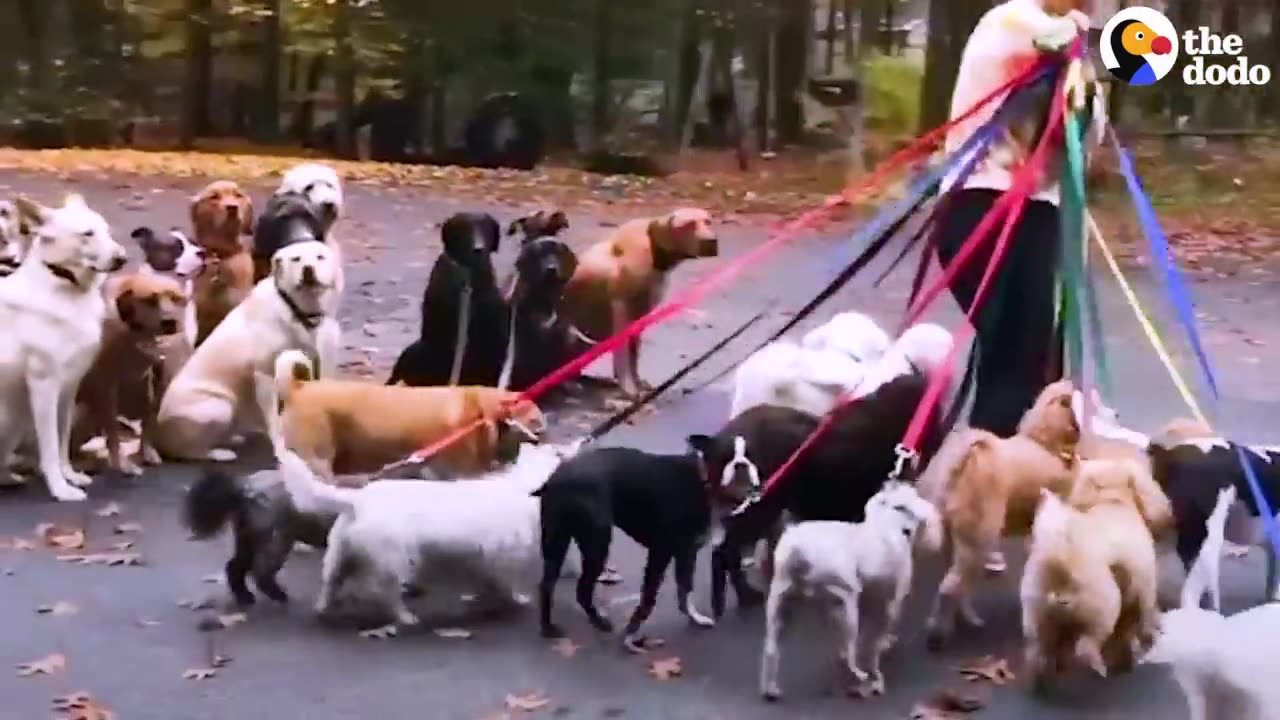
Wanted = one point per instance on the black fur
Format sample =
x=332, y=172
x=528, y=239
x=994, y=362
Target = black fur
x=543, y=336
x=288, y=218
x=659, y=501
x=265, y=524
x=832, y=480
x=470, y=239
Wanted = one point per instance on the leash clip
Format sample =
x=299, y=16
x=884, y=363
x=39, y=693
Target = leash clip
x=905, y=455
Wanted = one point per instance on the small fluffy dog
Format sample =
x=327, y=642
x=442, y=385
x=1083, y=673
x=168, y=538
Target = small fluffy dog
x=393, y=534
x=1224, y=665
x=230, y=379
x=12, y=239
x=51, y=316
x=221, y=214
x=464, y=316
x=344, y=426
x=321, y=185
x=811, y=376
x=988, y=487
x=623, y=277
x=141, y=310
x=541, y=337
x=864, y=569
x=660, y=501
x=1089, y=589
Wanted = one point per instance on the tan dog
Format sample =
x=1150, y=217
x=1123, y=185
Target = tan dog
x=1089, y=589
x=344, y=426
x=987, y=487
x=221, y=214
x=623, y=277
x=141, y=309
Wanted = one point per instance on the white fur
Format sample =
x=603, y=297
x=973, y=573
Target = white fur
x=1205, y=573
x=868, y=563
x=1106, y=421
x=1224, y=665
x=318, y=182
x=52, y=329
x=11, y=243
x=229, y=381
x=188, y=265
x=923, y=347
x=398, y=531
x=830, y=361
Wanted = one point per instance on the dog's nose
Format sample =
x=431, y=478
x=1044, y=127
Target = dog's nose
x=329, y=209
x=708, y=247
x=117, y=262
x=233, y=210
x=168, y=326
x=308, y=275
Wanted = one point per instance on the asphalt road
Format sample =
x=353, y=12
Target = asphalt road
x=129, y=641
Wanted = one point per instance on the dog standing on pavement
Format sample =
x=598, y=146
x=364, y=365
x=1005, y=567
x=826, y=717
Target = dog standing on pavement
x=230, y=379
x=465, y=319
x=51, y=316
x=623, y=277
x=221, y=214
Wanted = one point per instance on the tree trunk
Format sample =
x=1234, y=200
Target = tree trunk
x=601, y=91
x=305, y=112
x=35, y=20
x=869, y=16
x=269, y=99
x=795, y=26
x=830, y=65
x=949, y=28
x=199, y=71
x=764, y=77
x=690, y=60
x=1182, y=102
x=345, y=76
x=846, y=29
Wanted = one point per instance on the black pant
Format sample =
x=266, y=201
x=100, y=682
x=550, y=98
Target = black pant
x=1017, y=353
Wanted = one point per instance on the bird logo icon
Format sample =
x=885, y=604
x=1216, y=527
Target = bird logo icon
x=1139, y=45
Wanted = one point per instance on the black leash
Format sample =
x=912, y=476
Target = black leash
x=679, y=375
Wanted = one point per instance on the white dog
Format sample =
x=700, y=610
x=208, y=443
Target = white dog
x=392, y=533
x=229, y=381
x=1206, y=572
x=51, y=316
x=829, y=361
x=1224, y=665
x=320, y=184
x=12, y=244
x=867, y=564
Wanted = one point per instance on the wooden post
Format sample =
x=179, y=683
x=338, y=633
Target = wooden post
x=700, y=88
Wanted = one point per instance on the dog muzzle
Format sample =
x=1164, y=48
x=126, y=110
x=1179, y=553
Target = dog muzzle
x=708, y=247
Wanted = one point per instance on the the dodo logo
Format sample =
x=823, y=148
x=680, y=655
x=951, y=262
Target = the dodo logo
x=1139, y=45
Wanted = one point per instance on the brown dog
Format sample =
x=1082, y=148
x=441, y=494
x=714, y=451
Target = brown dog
x=623, y=277
x=344, y=426
x=221, y=214
x=127, y=371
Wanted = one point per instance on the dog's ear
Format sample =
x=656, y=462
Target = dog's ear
x=32, y=212
x=247, y=219
x=1077, y=408
x=699, y=443
x=277, y=268
x=559, y=221
x=516, y=226
x=492, y=232
x=144, y=236
x=126, y=307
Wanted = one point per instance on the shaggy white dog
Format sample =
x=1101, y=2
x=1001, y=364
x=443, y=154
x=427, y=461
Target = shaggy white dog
x=1224, y=665
x=320, y=184
x=391, y=534
x=810, y=376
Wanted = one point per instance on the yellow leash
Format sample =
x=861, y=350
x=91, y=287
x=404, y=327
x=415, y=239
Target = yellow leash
x=1147, y=327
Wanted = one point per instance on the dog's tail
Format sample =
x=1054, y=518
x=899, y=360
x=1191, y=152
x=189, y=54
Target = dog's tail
x=212, y=502
x=293, y=368
x=311, y=495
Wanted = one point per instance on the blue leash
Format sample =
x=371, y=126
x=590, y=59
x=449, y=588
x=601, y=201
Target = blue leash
x=1175, y=285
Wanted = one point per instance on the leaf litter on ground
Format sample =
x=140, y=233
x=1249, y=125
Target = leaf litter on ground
x=527, y=702
x=111, y=509
x=81, y=706
x=987, y=668
x=61, y=537
x=49, y=665
x=565, y=647
x=110, y=559
x=666, y=668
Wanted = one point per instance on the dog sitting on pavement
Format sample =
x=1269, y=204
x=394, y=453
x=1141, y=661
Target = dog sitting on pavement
x=51, y=315
x=142, y=310
x=660, y=501
x=221, y=214
x=623, y=277
x=865, y=568
x=230, y=379
x=13, y=241
x=173, y=256
x=465, y=319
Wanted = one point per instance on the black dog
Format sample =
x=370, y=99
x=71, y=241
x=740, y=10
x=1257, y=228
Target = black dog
x=265, y=524
x=288, y=218
x=542, y=339
x=543, y=223
x=464, y=317
x=660, y=501
x=832, y=480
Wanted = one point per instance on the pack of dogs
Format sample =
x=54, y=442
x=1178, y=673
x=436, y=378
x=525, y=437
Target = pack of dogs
x=231, y=331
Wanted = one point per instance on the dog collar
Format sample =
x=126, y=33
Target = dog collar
x=61, y=272
x=307, y=320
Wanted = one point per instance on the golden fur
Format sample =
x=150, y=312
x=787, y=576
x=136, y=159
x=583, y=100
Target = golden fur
x=221, y=214
x=987, y=487
x=621, y=278
x=345, y=426
x=1089, y=588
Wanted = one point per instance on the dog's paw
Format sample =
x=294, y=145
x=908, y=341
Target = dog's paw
x=68, y=493
x=771, y=693
x=698, y=619
x=996, y=564
x=870, y=688
x=404, y=617
x=610, y=576
x=1234, y=551
x=236, y=440
x=381, y=633
x=222, y=455
x=76, y=478
x=151, y=456
x=129, y=468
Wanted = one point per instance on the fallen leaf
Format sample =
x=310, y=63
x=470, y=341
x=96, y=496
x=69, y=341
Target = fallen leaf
x=199, y=673
x=81, y=706
x=232, y=619
x=50, y=665
x=128, y=527
x=146, y=622
x=60, y=608
x=111, y=509
x=220, y=661
x=65, y=538
x=121, y=546
x=201, y=604
x=666, y=668
x=453, y=633
x=988, y=668
x=108, y=559
x=527, y=702
x=565, y=647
